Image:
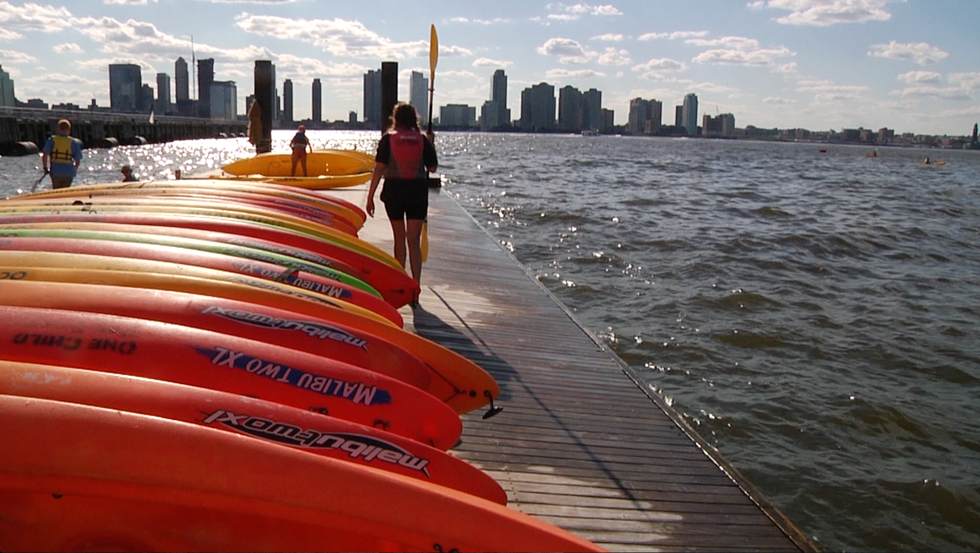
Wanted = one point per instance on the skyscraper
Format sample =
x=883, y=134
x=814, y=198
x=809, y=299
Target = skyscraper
x=180, y=80
x=163, y=104
x=223, y=102
x=205, y=76
x=418, y=88
x=538, y=108
x=592, y=110
x=569, y=109
x=317, y=101
x=646, y=116
x=372, y=99
x=125, y=87
x=6, y=89
x=287, y=101
x=498, y=93
x=689, y=114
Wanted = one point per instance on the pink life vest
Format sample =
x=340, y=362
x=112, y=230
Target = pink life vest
x=406, y=155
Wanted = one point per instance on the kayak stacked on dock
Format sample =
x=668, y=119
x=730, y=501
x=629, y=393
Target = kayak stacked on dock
x=329, y=168
x=220, y=364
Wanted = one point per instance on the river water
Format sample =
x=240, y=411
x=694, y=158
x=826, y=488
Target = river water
x=815, y=315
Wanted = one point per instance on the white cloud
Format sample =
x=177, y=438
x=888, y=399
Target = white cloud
x=127, y=2
x=777, y=101
x=660, y=64
x=918, y=77
x=743, y=57
x=340, y=37
x=969, y=81
x=13, y=57
x=943, y=93
x=33, y=17
x=68, y=48
x=829, y=12
x=572, y=74
x=737, y=50
x=9, y=35
x=918, y=52
x=672, y=36
x=487, y=62
x=757, y=5
x=736, y=42
x=827, y=91
x=566, y=50
x=575, y=11
x=615, y=57
x=609, y=37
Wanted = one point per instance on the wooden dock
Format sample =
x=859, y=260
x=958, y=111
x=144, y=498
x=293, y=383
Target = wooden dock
x=580, y=443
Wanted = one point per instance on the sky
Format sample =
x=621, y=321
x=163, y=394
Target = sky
x=908, y=65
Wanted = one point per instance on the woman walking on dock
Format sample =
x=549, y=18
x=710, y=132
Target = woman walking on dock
x=404, y=157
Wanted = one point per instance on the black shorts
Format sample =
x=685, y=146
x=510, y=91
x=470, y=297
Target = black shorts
x=406, y=199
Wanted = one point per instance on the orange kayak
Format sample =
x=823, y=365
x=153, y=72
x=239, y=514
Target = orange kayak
x=187, y=252
x=452, y=378
x=263, y=420
x=81, y=478
x=195, y=357
x=235, y=318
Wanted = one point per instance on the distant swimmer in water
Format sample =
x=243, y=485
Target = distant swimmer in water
x=927, y=162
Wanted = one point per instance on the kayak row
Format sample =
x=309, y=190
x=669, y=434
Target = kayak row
x=221, y=364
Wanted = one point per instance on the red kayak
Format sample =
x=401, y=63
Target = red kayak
x=263, y=420
x=151, y=349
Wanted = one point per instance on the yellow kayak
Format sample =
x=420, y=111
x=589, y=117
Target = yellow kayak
x=319, y=163
x=322, y=182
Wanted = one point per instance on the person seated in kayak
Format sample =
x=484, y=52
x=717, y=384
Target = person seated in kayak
x=927, y=162
x=299, y=145
x=127, y=172
x=404, y=156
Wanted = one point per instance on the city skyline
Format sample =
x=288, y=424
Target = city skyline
x=816, y=64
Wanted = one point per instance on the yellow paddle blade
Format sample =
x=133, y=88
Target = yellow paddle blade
x=433, y=53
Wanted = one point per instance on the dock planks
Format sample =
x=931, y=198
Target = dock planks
x=580, y=443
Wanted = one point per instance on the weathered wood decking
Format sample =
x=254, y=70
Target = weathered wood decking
x=579, y=444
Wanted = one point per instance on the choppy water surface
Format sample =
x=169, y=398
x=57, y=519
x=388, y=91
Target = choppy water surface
x=814, y=315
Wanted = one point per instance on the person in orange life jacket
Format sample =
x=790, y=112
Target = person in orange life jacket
x=61, y=156
x=404, y=156
x=299, y=144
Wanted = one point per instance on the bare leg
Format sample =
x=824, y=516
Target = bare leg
x=293, y=171
x=414, y=239
x=398, y=232
x=303, y=160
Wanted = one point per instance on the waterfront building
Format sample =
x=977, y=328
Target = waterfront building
x=205, y=77
x=689, y=117
x=646, y=116
x=287, y=101
x=885, y=135
x=490, y=116
x=498, y=94
x=608, y=120
x=181, y=81
x=6, y=90
x=223, y=100
x=185, y=106
x=317, y=101
x=418, y=87
x=457, y=116
x=592, y=110
x=538, y=108
x=721, y=126
x=372, y=99
x=352, y=117
x=679, y=116
x=163, y=103
x=125, y=87
x=146, y=99
x=569, y=109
